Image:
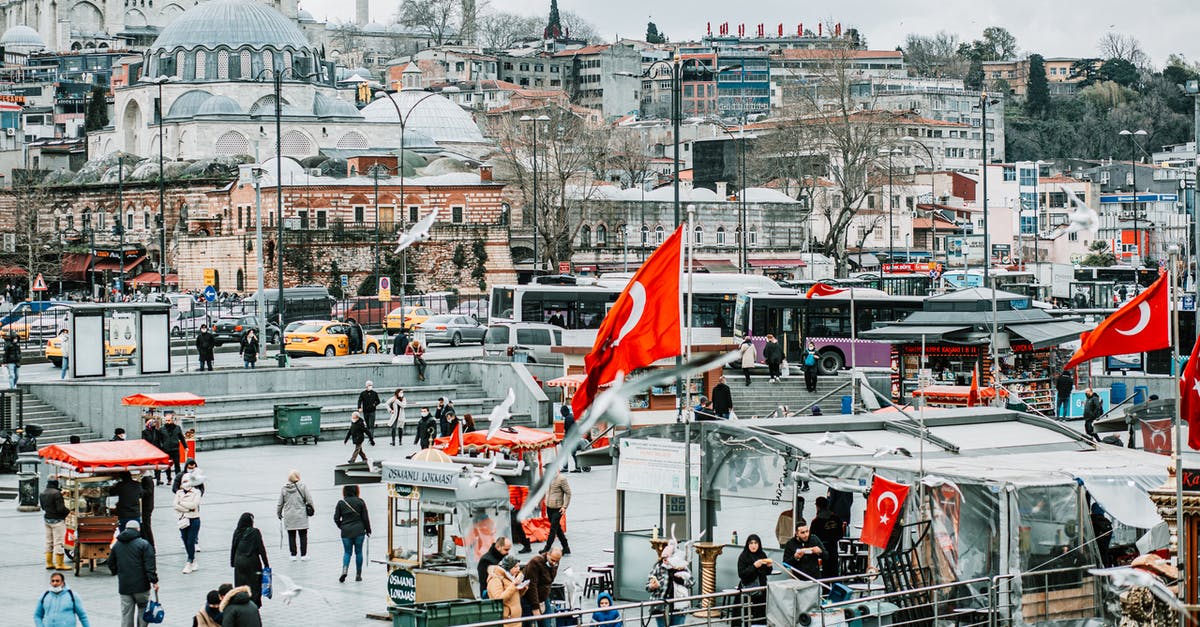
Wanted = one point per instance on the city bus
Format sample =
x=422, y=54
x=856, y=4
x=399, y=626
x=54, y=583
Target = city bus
x=897, y=283
x=824, y=320
x=583, y=304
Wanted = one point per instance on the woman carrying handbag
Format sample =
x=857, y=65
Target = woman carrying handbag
x=294, y=508
x=396, y=406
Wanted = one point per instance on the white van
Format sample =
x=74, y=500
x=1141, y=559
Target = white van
x=523, y=341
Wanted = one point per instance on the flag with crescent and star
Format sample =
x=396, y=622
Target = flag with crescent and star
x=1189, y=397
x=1156, y=434
x=1142, y=325
x=885, y=503
x=643, y=325
x=823, y=289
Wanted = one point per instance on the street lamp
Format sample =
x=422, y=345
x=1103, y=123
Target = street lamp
x=1133, y=146
x=932, y=197
x=537, y=261
x=889, y=153
x=162, y=182
x=984, y=101
x=121, y=219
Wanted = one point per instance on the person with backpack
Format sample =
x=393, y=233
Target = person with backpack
x=248, y=557
x=810, y=368
x=59, y=607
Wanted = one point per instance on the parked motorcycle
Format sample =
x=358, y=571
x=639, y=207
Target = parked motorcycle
x=27, y=443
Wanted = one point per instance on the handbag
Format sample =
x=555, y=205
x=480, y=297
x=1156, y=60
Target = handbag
x=154, y=611
x=308, y=507
x=266, y=581
x=184, y=522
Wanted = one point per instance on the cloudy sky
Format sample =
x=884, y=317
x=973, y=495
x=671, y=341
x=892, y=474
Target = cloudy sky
x=1044, y=26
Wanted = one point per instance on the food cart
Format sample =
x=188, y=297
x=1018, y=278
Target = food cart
x=442, y=517
x=87, y=471
x=957, y=395
x=182, y=404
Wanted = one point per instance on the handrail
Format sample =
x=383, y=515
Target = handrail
x=638, y=607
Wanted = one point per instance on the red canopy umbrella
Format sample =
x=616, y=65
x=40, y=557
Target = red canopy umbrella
x=163, y=399
x=105, y=456
x=515, y=438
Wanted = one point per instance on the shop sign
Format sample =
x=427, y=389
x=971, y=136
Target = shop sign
x=1191, y=480
x=402, y=587
x=413, y=473
x=656, y=466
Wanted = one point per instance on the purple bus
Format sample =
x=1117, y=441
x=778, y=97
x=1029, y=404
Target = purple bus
x=824, y=320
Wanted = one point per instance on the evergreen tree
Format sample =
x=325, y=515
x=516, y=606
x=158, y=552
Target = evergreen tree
x=96, y=116
x=554, y=29
x=653, y=36
x=975, y=77
x=1037, y=97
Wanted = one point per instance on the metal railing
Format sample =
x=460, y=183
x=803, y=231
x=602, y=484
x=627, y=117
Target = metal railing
x=719, y=608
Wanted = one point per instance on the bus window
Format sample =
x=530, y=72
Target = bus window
x=531, y=308
x=787, y=325
x=502, y=303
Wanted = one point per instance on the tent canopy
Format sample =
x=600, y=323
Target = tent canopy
x=163, y=399
x=105, y=456
x=515, y=438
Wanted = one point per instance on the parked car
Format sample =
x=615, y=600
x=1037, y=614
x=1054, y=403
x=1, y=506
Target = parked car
x=39, y=324
x=476, y=308
x=323, y=337
x=412, y=317
x=232, y=330
x=22, y=309
x=452, y=329
x=506, y=340
x=188, y=322
x=367, y=310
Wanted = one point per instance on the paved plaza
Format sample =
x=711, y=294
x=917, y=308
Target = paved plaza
x=248, y=480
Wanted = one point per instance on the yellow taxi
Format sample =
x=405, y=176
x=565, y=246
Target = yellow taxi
x=319, y=337
x=412, y=317
x=54, y=351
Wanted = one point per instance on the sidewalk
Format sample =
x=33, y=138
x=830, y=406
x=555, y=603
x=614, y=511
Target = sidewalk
x=248, y=480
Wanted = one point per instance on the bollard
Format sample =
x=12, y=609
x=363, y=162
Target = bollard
x=27, y=490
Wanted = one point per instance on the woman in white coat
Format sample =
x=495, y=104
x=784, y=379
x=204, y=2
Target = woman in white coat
x=187, y=505
x=395, y=407
x=748, y=353
x=294, y=508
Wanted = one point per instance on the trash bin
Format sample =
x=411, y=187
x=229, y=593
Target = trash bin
x=297, y=422
x=847, y=405
x=447, y=613
x=281, y=360
x=1141, y=394
x=27, y=491
x=1117, y=392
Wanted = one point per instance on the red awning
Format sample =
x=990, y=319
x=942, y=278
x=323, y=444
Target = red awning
x=109, y=263
x=777, y=263
x=514, y=438
x=12, y=271
x=151, y=278
x=75, y=265
x=163, y=399
x=105, y=456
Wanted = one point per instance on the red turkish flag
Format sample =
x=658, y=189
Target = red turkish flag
x=973, y=394
x=1143, y=324
x=821, y=289
x=642, y=327
x=1156, y=435
x=884, y=506
x=451, y=444
x=1189, y=398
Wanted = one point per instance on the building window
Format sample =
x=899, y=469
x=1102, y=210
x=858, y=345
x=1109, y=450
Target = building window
x=303, y=213
x=1029, y=177
x=659, y=234
x=753, y=237
x=601, y=235
x=359, y=214
x=720, y=236
x=1028, y=226
x=456, y=215
x=414, y=213
x=698, y=235
x=585, y=236
x=128, y=220
x=645, y=235
x=1105, y=177
x=322, y=220
x=1073, y=236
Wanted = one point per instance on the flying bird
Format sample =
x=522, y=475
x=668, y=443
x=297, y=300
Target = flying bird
x=1129, y=577
x=895, y=450
x=419, y=231
x=486, y=473
x=838, y=438
x=612, y=405
x=287, y=590
x=1084, y=218
x=500, y=413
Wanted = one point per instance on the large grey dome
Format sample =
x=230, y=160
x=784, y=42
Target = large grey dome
x=231, y=23
x=21, y=35
x=187, y=105
x=431, y=115
x=219, y=105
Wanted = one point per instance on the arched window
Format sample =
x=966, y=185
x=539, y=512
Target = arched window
x=737, y=236
x=201, y=64
x=698, y=235
x=753, y=237
x=585, y=236
x=645, y=235
x=659, y=234
x=601, y=235
x=268, y=61
x=146, y=219
x=720, y=236
x=129, y=219
x=223, y=64
x=245, y=65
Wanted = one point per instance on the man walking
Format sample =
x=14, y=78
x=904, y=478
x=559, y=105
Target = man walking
x=722, y=399
x=558, y=498
x=368, y=400
x=132, y=561
x=568, y=418
x=205, y=343
x=1064, y=384
x=427, y=429
x=773, y=355
x=54, y=516
x=540, y=572
x=170, y=439
x=1093, y=408
x=358, y=432
x=64, y=337
x=129, y=495
x=12, y=358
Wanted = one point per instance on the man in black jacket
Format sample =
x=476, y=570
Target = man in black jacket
x=129, y=500
x=1065, y=384
x=132, y=561
x=358, y=432
x=12, y=357
x=427, y=429
x=499, y=550
x=355, y=335
x=1093, y=408
x=828, y=528
x=368, y=400
x=722, y=399
x=773, y=355
x=54, y=516
x=804, y=552
x=205, y=342
x=170, y=439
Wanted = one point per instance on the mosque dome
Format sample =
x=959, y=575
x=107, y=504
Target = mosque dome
x=432, y=116
x=219, y=105
x=326, y=106
x=22, y=37
x=187, y=104
x=305, y=16
x=230, y=23
x=374, y=27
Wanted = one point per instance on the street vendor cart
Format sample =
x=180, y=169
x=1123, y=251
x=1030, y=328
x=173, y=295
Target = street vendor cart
x=87, y=471
x=182, y=404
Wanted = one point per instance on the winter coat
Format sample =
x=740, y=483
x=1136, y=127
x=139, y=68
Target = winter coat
x=541, y=575
x=1093, y=407
x=249, y=350
x=809, y=563
x=291, y=506
x=722, y=398
x=773, y=353
x=179, y=480
x=12, y=352
x=828, y=528
x=132, y=561
x=350, y=515
x=606, y=617
x=246, y=552
x=60, y=609
x=1064, y=383
x=559, y=494
x=486, y=562
x=53, y=506
x=129, y=494
x=368, y=400
x=749, y=354
x=187, y=503
x=153, y=436
x=148, y=508
x=205, y=342
x=673, y=583
x=395, y=407
x=500, y=586
x=170, y=438
x=358, y=432
x=237, y=609
x=426, y=431
x=207, y=617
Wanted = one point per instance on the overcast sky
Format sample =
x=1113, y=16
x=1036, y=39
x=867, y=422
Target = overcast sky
x=1044, y=26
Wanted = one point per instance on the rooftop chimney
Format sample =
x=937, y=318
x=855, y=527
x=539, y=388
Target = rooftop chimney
x=485, y=173
x=722, y=190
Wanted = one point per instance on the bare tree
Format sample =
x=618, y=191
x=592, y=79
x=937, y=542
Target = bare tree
x=32, y=206
x=934, y=55
x=1114, y=45
x=438, y=19
x=577, y=27
x=501, y=30
x=346, y=37
x=627, y=150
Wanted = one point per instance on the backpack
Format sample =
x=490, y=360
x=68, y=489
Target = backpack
x=69, y=591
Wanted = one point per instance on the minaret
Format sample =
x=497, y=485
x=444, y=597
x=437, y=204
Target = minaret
x=362, y=12
x=554, y=28
x=467, y=34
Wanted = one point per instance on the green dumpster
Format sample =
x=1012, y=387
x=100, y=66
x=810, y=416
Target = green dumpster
x=298, y=422
x=447, y=613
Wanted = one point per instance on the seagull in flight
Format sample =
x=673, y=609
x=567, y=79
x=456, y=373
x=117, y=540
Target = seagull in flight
x=500, y=413
x=419, y=231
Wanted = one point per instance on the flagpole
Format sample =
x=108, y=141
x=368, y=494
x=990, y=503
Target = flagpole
x=687, y=425
x=853, y=357
x=1180, y=536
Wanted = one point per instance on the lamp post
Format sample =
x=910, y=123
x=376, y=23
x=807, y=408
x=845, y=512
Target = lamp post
x=162, y=183
x=891, y=152
x=537, y=260
x=984, y=101
x=1192, y=88
x=1133, y=146
x=121, y=218
x=932, y=197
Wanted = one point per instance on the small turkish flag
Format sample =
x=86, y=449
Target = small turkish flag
x=884, y=505
x=1143, y=324
x=973, y=394
x=1156, y=435
x=642, y=327
x=451, y=444
x=821, y=289
x=1189, y=397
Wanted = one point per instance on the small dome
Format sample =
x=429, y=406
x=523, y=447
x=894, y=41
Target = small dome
x=305, y=16
x=21, y=35
x=231, y=23
x=219, y=105
x=188, y=104
x=433, y=116
x=326, y=106
x=363, y=72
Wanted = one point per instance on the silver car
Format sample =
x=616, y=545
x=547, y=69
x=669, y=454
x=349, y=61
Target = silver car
x=452, y=329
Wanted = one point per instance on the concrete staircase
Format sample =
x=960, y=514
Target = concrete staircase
x=58, y=427
x=762, y=397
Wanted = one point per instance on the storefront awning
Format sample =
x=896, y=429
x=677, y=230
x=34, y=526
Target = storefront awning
x=1045, y=334
x=102, y=264
x=151, y=278
x=75, y=265
x=901, y=332
x=777, y=263
x=718, y=265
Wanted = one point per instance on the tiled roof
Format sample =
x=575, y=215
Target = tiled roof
x=809, y=53
x=593, y=49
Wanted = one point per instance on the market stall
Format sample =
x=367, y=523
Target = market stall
x=957, y=395
x=87, y=471
x=182, y=405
